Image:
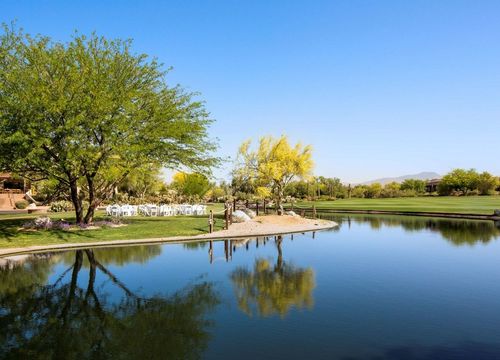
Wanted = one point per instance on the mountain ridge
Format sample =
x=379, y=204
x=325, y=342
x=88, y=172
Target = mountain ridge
x=424, y=175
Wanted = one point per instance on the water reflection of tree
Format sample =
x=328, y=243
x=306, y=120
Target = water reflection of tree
x=35, y=270
x=457, y=231
x=121, y=255
x=273, y=289
x=67, y=321
x=196, y=245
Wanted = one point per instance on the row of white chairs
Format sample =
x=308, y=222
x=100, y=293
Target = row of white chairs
x=155, y=210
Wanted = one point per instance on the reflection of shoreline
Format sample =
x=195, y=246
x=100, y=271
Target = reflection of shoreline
x=433, y=214
x=230, y=246
x=233, y=233
x=456, y=231
x=13, y=261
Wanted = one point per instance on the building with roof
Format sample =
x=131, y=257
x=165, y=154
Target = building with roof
x=432, y=185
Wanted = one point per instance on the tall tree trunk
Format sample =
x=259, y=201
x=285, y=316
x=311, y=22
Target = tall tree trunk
x=74, y=278
x=279, y=261
x=92, y=272
x=89, y=216
x=279, y=201
x=77, y=202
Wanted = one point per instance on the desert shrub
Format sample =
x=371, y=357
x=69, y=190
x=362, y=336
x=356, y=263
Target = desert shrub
x=408, y=193
x=487, y=183
x=373, y=191
x=23, y=204
x=414, y=184
x=391, y=190
x=359, y=191
x=61, y=206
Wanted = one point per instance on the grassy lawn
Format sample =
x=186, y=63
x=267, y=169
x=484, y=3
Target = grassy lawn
x=451, y=204
x=138, y=227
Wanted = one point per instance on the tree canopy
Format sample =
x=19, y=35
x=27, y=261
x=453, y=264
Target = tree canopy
x=143, y=181
x=89, y=111
x=465, y=182
x=194, y=185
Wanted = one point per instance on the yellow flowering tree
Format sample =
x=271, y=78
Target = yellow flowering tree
x=274, y=164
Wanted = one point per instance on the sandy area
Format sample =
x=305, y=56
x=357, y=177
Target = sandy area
x=260, y=226
x=273, y=224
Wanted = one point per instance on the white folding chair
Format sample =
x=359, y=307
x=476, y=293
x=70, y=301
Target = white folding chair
x=188, y=210
x=143, y=210
x=115, y=210
x=126, y=210
x=197, y=210
x=153, y=210
x=169, y=211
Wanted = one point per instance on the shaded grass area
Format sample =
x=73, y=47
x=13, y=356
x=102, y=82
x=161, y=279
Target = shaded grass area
x=447, y=204
x=138, y=227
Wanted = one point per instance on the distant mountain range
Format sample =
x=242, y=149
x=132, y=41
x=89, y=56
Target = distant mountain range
x=426, y=175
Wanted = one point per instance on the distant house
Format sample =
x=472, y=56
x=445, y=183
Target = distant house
x=13, y=183
x=432, y=185
x=12, y=190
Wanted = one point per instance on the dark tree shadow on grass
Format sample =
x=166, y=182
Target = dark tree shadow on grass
x=7, y=232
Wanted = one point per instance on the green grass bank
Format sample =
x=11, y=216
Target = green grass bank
x=483, y=205
x=138, y=227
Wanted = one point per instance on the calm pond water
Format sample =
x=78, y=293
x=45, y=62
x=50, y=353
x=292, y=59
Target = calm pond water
x=378, y=287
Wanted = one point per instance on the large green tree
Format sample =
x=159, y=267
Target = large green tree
x=460, y=181
x=89, y=111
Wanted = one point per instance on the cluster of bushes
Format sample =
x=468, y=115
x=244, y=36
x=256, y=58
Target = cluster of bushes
x=457, y=182
x=409, y=188
x=46, y=223
x=332, y=188
x=468, y=182
x=61, y=206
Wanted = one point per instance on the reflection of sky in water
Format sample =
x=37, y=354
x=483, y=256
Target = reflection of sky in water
x=405, y=285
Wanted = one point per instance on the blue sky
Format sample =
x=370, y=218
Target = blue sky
x=379, y=88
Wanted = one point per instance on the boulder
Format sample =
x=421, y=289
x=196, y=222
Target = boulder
x=291, y=213
x=251, y=214
x=239, y=217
